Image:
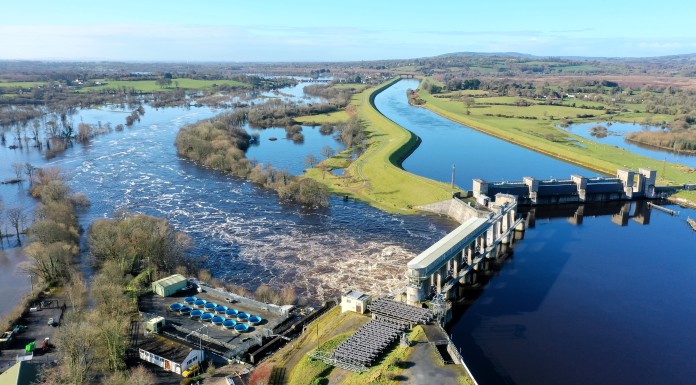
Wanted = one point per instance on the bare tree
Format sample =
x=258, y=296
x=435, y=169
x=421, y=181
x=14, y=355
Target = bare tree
x=310, y=160
x=29, y=170
x=18, y=169
x=17, y=217
x=327, y=152
x=35, y=128
x=74, y=341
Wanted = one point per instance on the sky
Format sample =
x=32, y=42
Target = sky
x=324, y=31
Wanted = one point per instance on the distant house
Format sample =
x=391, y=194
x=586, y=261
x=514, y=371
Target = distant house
x=22, y=373
x=169, y=355
x=170, y=285
x=355, y=301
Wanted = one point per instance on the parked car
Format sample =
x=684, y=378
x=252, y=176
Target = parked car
x=51, y=322
x=191, y=371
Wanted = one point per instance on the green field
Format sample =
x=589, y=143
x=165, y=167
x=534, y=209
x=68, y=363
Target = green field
x=332, y=117
x=542, y=135
x=152, y=86
x=376, y=176
x=357, y=86
x=25, y=85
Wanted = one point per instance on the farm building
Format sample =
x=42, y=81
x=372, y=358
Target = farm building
x=355, y=301
x=169, y=355
x=170, y=285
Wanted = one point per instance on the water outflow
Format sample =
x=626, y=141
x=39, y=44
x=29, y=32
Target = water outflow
x=245, y=234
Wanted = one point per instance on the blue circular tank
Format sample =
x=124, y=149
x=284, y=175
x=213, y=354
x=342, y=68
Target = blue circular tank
x=218, y=320
x=242, y=317
x=241, y=328
x=207, y=317
x=221, y=309
x=175, y=306
x=190, y=300
x=200, y=303
x=196, y=313
x=229, y=324
x=231, y=313
x=255, y=320
x=210, y=306
x=185, y=309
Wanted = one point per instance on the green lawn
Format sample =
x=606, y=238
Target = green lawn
x=312, y=371
x=357, y=86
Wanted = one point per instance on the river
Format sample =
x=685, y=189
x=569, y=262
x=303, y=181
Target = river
x=246, y=235
x=575, y=304
x=594, y=302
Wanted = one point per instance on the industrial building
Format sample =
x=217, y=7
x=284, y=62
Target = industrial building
x=170, y=285
x=355, y=301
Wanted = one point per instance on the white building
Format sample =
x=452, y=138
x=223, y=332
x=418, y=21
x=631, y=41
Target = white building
x=169, y=355
x=355, y=301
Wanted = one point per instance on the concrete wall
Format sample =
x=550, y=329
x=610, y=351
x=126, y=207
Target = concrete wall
x=454, y=208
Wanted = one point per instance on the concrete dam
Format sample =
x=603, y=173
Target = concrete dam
x=627, y=185
x=491, y=222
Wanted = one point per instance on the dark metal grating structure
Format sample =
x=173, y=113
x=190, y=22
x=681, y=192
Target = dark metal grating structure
x=390, y=320
x=365, y=346
x=387, y=309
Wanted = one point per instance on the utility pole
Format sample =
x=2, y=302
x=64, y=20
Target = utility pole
x=453, y=169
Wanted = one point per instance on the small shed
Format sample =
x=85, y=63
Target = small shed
x=355, y=301
x=155, y=325
x=170, y=285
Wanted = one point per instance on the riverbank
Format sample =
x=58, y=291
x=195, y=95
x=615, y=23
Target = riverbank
x=541, y=135
x=376, y=176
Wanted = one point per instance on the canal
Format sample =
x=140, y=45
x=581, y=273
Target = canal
x=597, y=300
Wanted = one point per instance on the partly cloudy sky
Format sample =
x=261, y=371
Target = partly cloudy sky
x=228, y=30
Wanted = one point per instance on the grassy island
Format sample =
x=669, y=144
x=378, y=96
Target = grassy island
x=376, y=176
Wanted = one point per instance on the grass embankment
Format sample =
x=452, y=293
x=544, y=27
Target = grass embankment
x=376, y=177
x=542, y=135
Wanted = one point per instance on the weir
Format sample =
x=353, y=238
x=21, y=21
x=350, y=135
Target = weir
x=450, y=260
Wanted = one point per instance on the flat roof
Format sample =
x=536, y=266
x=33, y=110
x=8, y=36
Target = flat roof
x=171, y=280
x=21, y=373
x=435, y=255
x=356, y=294
x=165, y=348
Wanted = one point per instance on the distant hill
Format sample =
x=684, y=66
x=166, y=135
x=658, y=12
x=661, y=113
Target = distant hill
x=513, y=54
x=687, y=56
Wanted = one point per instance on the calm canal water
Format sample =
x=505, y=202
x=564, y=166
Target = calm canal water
x=476, y=155
x=575, y=304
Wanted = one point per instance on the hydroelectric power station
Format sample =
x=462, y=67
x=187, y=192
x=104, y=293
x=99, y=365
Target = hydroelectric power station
x=490, y=221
